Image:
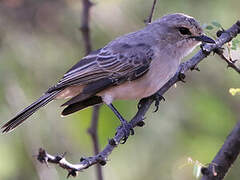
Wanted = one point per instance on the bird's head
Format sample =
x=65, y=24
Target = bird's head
x=181, y=32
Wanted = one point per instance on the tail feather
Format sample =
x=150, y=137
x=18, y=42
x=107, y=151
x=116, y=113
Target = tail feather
x=28, y=111
x=81, y=105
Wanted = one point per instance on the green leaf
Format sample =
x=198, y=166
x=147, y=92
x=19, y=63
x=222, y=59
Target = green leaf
x=209, y=27
x=216, y=24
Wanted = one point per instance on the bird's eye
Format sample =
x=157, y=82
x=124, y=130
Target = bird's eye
x=184, y=31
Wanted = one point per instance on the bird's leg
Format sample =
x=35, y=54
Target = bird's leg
x=126, y=127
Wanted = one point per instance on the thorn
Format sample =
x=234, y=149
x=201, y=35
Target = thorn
x=219, y=32
x=102, y=163
x=132, y=131
x=82, y=159
x=112, y=142
x=181, y=77
x=233, y=61
x=123, y=141
x=195, y=68
x=58, y=158
x=101, y=160
x=140, y=103
x=42, y=156
x=140, y=123
x=72, y=173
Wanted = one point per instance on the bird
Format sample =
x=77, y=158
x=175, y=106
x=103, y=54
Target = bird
x=132, y=66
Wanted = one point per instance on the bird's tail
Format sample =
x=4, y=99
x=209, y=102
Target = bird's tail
x=28, y=111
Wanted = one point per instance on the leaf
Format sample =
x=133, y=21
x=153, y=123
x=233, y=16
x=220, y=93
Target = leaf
x=216, y=24
x=209, y=27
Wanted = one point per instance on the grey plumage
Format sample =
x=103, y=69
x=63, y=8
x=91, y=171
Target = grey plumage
x=132, y=66
x=99, y=70
x=113, y=61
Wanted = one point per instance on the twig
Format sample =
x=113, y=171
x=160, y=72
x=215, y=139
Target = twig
x=137, y=120
x=88, y=48
x=225, y=157
x=87, y=4
x=149, y=19
x=94, y=135
x=230, y=63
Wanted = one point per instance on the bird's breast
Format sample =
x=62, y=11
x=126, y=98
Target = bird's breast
x=160, y=71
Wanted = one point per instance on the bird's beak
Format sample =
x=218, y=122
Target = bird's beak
x=203, y=38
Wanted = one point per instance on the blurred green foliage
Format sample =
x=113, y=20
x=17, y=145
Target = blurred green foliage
x=40, y=40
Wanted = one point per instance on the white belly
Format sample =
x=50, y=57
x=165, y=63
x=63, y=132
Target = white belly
x=158, y=74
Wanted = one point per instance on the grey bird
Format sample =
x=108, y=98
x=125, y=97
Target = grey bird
x=132, y=66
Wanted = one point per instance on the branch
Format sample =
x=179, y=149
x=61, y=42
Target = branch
x=87, y=4
x=93, y=132
x=137, y=120
x=225, y=157
x=230, y=63
x=149, y=19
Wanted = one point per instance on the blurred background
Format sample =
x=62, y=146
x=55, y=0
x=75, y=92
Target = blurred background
x=40, y=41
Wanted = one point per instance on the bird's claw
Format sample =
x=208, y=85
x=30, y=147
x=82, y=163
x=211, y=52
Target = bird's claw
x=157, y=98
x=127, y=130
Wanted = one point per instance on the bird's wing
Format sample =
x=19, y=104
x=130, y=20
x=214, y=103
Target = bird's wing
x=119, y=63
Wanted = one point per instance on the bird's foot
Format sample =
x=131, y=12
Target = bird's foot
x=157, y=98
x=127, y=129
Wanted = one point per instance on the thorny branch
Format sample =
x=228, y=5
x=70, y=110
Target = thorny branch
x=92, y=130
x=137, y=120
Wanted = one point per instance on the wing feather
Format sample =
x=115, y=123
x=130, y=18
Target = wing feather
x=121, y=60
